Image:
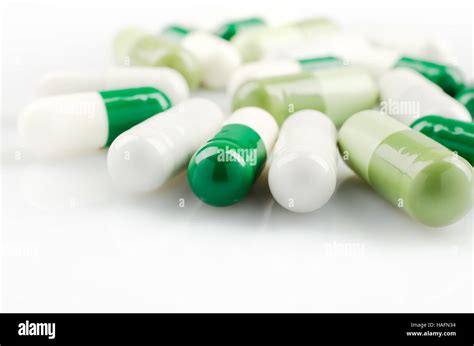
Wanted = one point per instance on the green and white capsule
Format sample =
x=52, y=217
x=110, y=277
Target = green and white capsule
x=466, y=97
x=420, y=176
x=73, y=81
x=67, y=124
x=455, y=135
x=217, y=58
x=223, y=170
x=228, y=30
x=378, y=61
x=279, y=67
x=135, y=47
x=407, y=96
x=337, y=92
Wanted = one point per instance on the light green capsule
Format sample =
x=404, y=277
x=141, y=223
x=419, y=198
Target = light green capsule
x=420, y=176
x=337, y=92
x=133, y=46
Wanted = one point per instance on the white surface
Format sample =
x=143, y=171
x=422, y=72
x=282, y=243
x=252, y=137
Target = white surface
x=302, y=173
x=407, y=96
x=147, y=155
x=72, y=242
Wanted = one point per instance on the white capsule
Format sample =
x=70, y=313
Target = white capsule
x=147, y=155
x=261, y=69
x=407, y=96
x=171, y=82
x=302, y=175
x=217, y=57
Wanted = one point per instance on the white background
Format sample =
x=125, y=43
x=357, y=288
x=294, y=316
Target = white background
x=71, y=241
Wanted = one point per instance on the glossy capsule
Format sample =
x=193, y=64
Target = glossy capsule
x=66, y=124
x=223, y=170
x=455, y=135
x=413, y=172
x=337, y=92
x=135, y=47
x=228, y=30
x=466, y=97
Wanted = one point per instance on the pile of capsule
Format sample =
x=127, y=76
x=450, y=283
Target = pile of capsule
x=304, y=95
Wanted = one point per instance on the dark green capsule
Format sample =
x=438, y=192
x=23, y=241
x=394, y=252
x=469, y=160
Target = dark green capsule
x=219, y=173
x=455, y=135
x=448, y=77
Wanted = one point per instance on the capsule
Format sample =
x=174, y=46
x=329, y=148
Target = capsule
x=379, y=61
x=279, y=67
x=256, y=44
x=228, y=30
x=429, y=182
x=407, y=96
x=337, y=92
x=66, y=124
x=447, y=77
x=455, y=135
x=217, y=58
x=223, y=170
x=466, y=97
x=73, y=81
x=302, y=174
x=135, y=47
x=147, y=155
